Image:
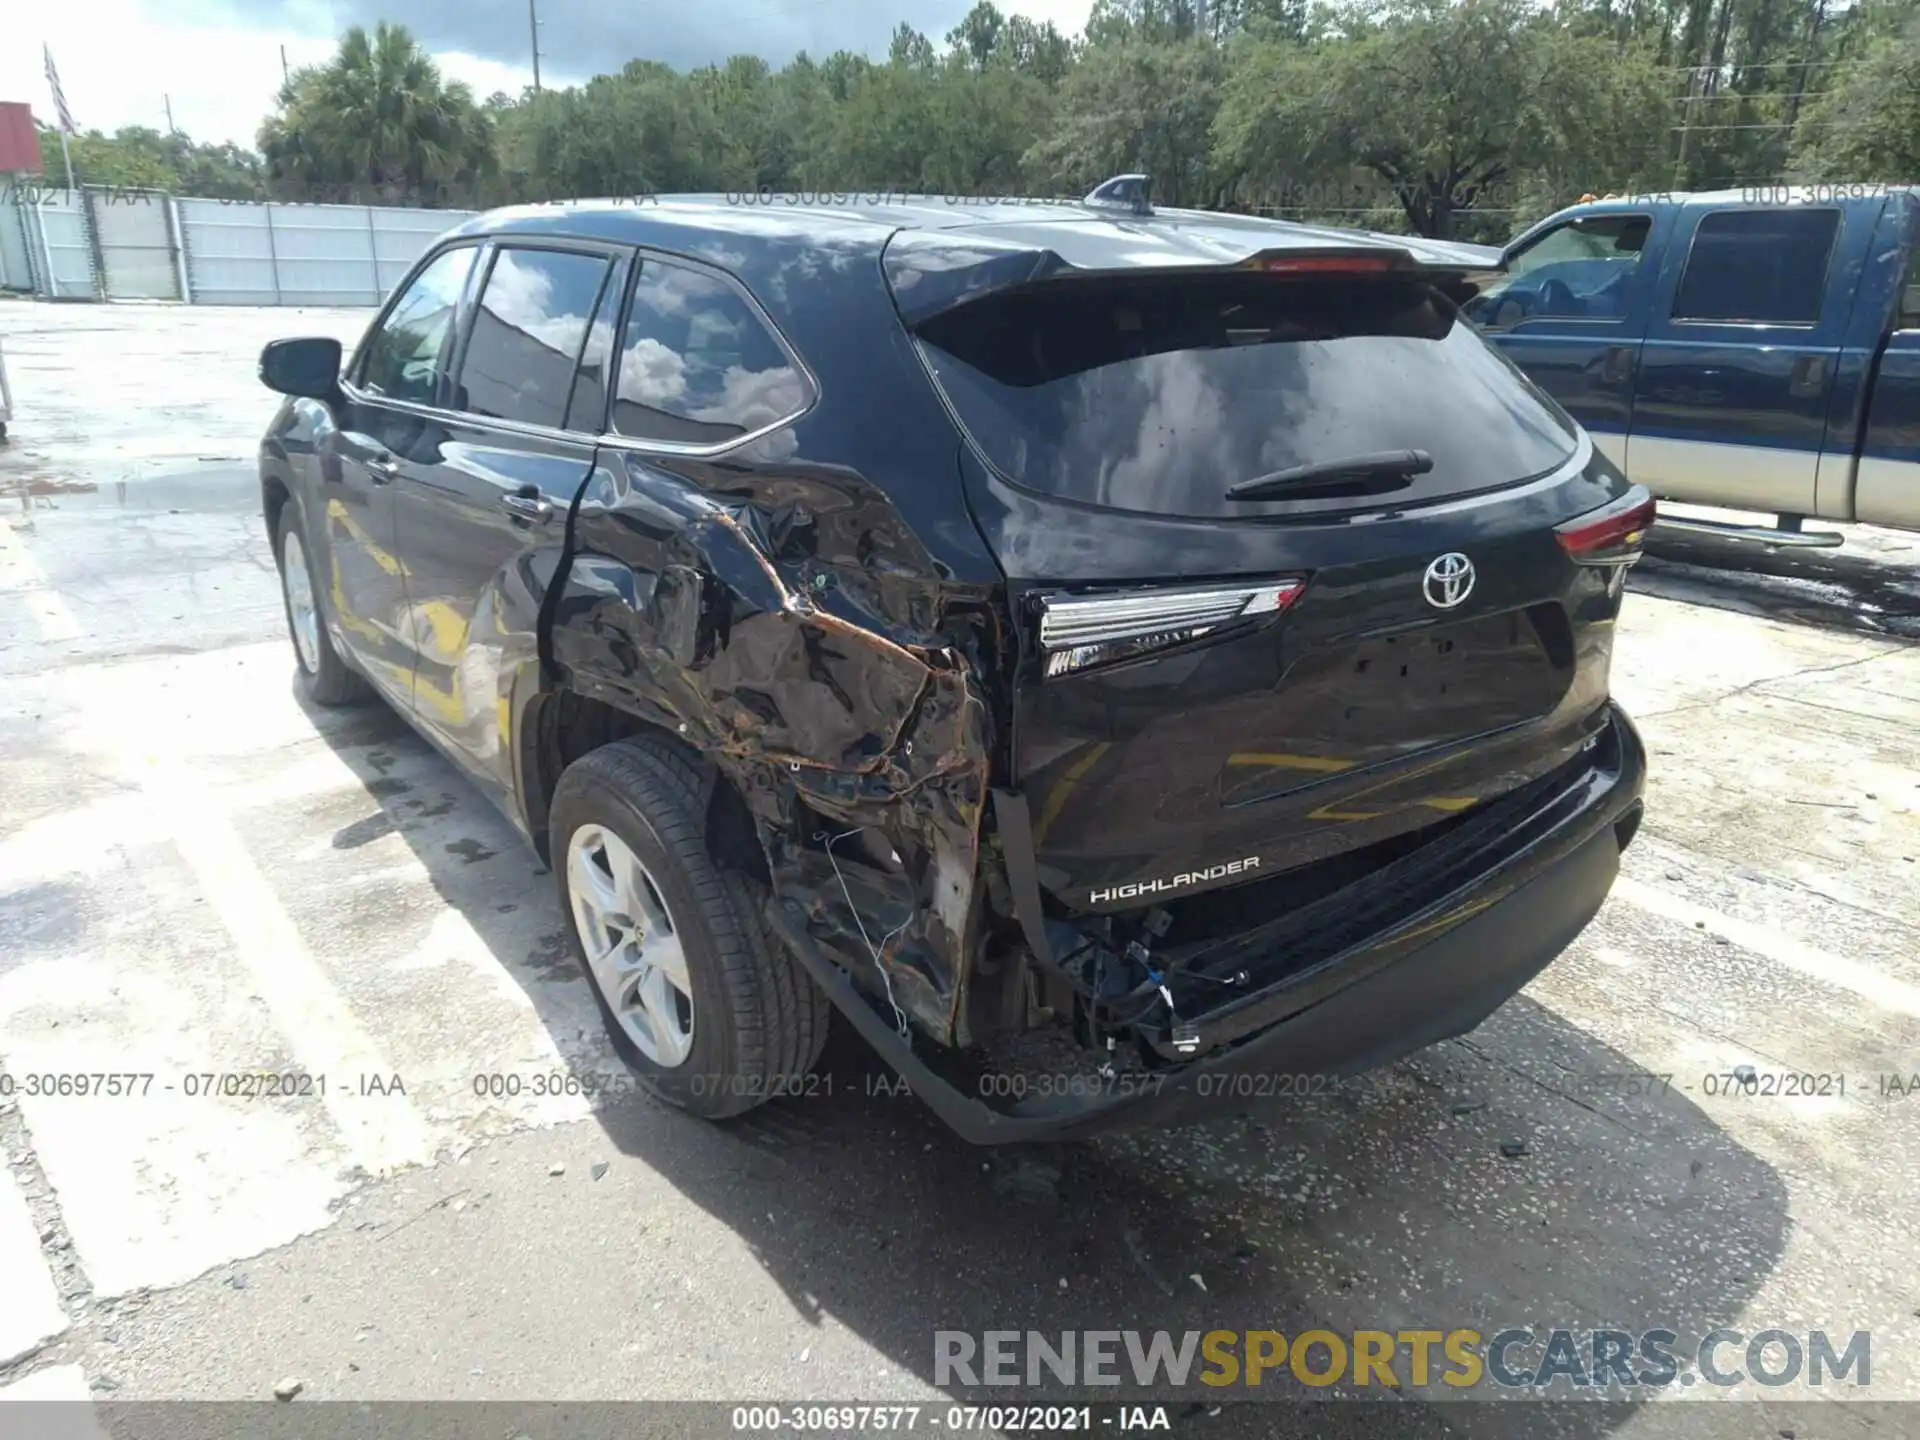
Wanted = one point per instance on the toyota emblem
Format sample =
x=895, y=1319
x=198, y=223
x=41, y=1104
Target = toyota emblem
x=1449, y=580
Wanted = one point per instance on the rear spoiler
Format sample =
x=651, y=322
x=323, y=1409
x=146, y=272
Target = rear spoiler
x=932, y=271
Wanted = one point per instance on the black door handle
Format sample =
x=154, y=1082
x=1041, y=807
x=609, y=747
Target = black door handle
x=1809, y=376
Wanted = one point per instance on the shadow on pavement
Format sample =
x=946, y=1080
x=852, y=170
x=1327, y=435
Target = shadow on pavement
x=1499, y=1180
x=1843, y=589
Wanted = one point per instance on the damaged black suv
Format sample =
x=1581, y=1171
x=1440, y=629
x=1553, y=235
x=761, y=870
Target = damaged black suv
x=1109, y=654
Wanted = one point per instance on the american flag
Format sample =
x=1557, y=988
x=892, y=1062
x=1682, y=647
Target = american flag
x=59, y=100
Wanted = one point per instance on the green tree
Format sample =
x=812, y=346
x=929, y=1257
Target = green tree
x=979, y=127
x=1272, y=19
x=1157, y=22
x=910, y=48
x=137, y=156
x=1137, y=105
x=377, y=118
x=977, y=35
x=1446, y=116
x=216, y=172
x=647, y=130
x=1866, y=127
x=122, y=159
x=1445, y=106
x=874, y=128
x=1037, y=50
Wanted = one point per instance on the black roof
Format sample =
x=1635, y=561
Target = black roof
x=948, y=250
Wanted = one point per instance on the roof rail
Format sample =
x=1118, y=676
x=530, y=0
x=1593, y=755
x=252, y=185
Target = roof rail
x=1123, y=192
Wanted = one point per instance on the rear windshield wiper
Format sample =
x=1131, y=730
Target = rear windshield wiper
x=1355, y=473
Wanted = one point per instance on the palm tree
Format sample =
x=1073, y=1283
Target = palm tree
x=378, y=117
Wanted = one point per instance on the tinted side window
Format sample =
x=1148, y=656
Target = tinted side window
x=697, y=364
x=1910, y=296
x=1766, y=266
x=527, y=333
x=1580, y=271
x=408, y=356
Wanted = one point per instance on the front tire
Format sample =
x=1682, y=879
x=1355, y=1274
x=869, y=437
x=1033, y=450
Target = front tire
x=699, y=1000
x=324, y=677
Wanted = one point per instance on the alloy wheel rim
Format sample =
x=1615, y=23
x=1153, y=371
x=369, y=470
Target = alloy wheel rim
x=298, y=583
x=633, y=947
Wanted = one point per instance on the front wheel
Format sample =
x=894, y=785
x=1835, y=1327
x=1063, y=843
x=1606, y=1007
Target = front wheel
x=698, y=998
x=324, y=676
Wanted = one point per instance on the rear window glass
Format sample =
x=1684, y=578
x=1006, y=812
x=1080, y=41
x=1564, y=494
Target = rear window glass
x=1758, y=266
x=1156, y=395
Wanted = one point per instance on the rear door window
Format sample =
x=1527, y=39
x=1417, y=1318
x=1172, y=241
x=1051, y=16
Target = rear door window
x=698, y=366
x=1157, y=394
x=528, y=331
x=1758, y=267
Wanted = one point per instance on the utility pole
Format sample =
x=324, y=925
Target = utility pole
x=1696, y=81
x=284, y=76
x=167, y=100
x=533, y=32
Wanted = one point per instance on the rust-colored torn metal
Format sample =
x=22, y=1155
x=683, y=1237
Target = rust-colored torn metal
x=862, y=755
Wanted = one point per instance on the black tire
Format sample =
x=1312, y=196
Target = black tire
x=759, y=1019
x=327, y=681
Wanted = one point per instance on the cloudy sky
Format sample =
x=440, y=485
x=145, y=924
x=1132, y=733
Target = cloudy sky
x=218, y=61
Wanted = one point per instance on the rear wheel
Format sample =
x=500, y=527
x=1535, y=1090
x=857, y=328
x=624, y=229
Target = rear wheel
x=323, y=675
x=699, y=999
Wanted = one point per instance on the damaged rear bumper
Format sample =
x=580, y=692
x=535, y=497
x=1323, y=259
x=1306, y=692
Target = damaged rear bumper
x=1431, y=974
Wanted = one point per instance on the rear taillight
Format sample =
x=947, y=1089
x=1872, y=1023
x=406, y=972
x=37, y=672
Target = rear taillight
x=1077, y=631
x=1611, y=535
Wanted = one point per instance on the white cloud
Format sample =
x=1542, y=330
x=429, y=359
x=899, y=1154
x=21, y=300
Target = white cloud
x=120, y=65
x=522, y=295
x=652, y=375
x=752, y=398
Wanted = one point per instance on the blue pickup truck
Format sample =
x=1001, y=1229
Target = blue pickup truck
x=1757, y=350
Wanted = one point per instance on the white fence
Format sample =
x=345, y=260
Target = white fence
x=138, y=246
x=16, y=270
x=44, y=243
x=112, y=244
x=248, y=254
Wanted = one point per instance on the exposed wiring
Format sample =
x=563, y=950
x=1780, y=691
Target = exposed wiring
x=886, y=979
x=1155, y=990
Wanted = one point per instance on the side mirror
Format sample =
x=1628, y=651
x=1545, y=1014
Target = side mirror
x=308, y=366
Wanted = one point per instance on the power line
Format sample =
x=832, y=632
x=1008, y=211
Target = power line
x=1766, y=65
x=1753, y=96
x=1709, y=129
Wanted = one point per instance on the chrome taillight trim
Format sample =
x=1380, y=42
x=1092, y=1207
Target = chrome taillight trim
x=1083, y=622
